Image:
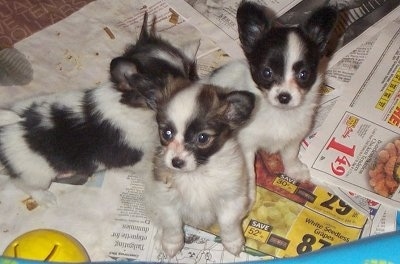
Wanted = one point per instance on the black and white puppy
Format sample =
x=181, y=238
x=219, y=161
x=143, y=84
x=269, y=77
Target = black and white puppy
x=283, y=69
x=200, y=173
x=66, y=137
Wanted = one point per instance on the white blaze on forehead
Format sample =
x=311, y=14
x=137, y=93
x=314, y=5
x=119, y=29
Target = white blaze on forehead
x=171, y=57
x=181, y=109
x=294, y=53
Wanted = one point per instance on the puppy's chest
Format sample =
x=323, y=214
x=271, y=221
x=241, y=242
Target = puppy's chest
x=195, y=187
x=275, y=128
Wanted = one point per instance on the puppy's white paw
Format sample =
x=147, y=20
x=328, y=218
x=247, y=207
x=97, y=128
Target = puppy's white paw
x=44, y=198
x=234, y=246
x=299, y=172
x=172, y=245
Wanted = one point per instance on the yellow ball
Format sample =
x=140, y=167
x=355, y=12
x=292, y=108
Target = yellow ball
x=47, y=245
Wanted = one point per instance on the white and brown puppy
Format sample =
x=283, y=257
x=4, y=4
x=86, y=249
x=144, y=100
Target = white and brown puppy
x=200, y=173
x=66, y=137
x=283, y=69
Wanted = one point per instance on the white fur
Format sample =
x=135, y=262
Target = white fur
x=216, y=192
x=293, y=54
x=138, y=124
x=197, y=195
x=186, y=101
x=172, y=58
x=274, y=129
x=35, y=172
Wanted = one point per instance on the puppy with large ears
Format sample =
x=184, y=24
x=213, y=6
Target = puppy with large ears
x=66, y=137
x=200, y=174
x=148, y=65
x=283, y=69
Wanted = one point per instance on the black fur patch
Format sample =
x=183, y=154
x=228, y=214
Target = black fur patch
x=219, y=131
x=77, y=144
x=265, y=43
x=142, y=71
x=217, y=118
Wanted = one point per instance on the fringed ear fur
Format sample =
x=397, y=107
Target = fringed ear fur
x=320, y=26
x=143, y=32
x=144, y=92
x=121, y=69
x=238, y=107
x=253, y=21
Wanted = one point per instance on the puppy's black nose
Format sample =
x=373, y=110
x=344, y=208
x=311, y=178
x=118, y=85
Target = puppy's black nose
x=284, y=98
x=178, y=163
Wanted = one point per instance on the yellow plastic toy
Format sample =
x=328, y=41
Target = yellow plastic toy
x=47, y=245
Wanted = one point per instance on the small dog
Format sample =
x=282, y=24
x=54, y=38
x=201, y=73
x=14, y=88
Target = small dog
x=283, y=70
x=200, y=173
x=66, y=137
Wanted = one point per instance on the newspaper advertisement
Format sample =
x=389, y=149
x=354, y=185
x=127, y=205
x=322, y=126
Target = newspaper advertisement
x=382, y=217
x=310, y=217
x=107, y=214
x=357, y=147
x=347, y=59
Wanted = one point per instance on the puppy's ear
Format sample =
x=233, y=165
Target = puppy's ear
x=190, y=50
x=137, y=89
x=143, y=93
x=121, y=69
x=253, y=21
x=320, y=25
x=239, y=106
x=144, y=34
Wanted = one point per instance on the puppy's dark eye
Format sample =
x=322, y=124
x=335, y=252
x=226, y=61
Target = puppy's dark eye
x=267, y=73
x=167, y=134
x=204, y=139
x=303, y=75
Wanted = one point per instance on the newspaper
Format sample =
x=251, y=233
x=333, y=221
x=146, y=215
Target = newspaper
x=106, y=214
x=291, y=218
x=353, y=147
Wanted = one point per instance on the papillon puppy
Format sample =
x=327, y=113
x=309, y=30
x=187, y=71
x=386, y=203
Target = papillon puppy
x=283, y=69
x=66, y=137
x=200, y=174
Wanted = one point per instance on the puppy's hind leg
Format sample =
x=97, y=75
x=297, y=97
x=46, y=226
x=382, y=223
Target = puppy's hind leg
x=36, y=185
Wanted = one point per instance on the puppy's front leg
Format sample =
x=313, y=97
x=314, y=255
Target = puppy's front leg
x=230, y=218
x=172, y=236
x=294, y=168
x=250, y=159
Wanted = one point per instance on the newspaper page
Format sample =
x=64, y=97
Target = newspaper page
x=357, y=147
x=347, y=59
x=383, y=218
x=217, y=21
x=107, y=215
x=223, y=13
